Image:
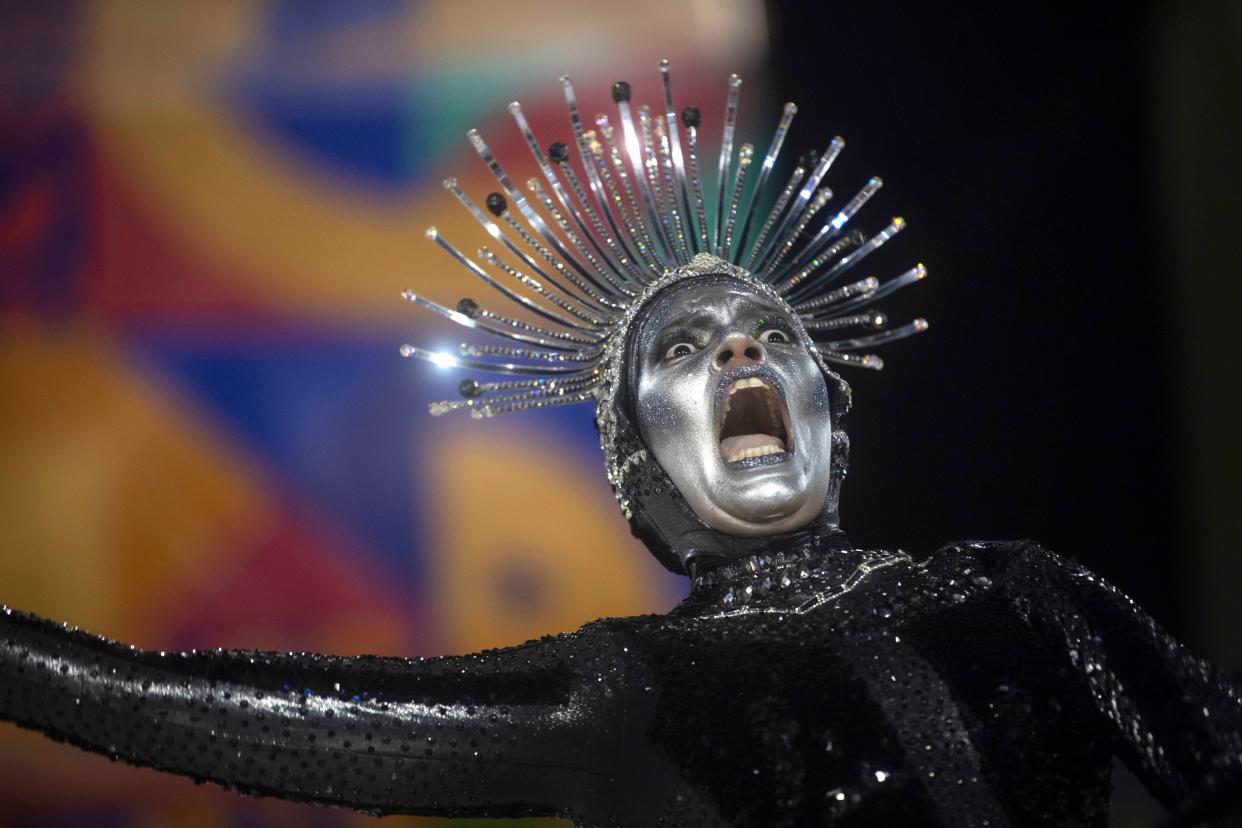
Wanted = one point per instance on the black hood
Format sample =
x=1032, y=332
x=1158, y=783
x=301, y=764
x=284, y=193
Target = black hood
x=658, y=514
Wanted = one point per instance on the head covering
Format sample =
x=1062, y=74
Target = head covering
x=581, y=263
x=657, y=512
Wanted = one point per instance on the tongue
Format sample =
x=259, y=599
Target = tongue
x=730, y=446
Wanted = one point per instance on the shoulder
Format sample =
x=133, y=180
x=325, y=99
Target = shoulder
x=1008, y=561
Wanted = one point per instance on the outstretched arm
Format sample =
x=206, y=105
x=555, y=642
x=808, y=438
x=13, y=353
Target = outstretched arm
x=1175, y=720
x=499, y=733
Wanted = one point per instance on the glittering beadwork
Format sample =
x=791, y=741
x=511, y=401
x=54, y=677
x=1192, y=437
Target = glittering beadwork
x=585, y=259
x=987, y=685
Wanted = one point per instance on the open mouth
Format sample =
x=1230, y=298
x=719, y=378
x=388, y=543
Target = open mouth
x=753, y=421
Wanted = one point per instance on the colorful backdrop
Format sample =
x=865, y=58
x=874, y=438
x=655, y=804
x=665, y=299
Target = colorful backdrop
x=208, y=211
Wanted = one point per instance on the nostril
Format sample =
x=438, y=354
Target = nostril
x=723, y=357
x=754, y=353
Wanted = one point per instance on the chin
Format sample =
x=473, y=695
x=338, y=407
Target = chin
x=764, y=518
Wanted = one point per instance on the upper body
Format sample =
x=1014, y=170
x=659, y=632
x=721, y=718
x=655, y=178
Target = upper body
x=988, y=685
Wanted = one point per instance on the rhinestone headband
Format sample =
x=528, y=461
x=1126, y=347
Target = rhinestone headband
x=585, y=258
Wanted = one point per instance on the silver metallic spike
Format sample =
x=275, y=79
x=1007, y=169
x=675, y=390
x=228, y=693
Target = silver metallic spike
x=488, y=410
x=608, y=272
x=522, y=332
x=871, y=319
x=856, y=256
x=726, y=159
x=634, y=152
x=805, y=194
x=914, y=274
x=592, y=172
x=774, y=148
x=871, y=361
x=821, y=260
x=567, y=203
x=744, y=157
x=863, y=287
x=470, y=349
x=817, y=203
x=696, y=182
x=915, y=327
x=481, y=274
x=535, y=285
x=832, y=228
x=773, y=215
x=679, y=165
x=446, y=360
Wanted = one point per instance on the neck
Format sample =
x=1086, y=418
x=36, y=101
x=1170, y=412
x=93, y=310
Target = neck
x=721, y=551
x=782, y=577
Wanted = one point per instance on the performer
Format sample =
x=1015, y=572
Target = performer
x=804, y=681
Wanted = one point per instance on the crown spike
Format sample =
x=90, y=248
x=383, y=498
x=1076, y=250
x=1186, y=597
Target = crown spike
x=527, y=211
x=872, y=244
x=915, y=327
x=769, y=161
x=634, y=153
x=585, y=254
x=446, y=360
x=853, y=360
x=914, y=274
x=586, y=293
x=591, y=165
x=825, y=257
x=690, y=117
x=621, y=255
x=773, y=215
x=469, y=315
x=809, y=188
x=488, y=410
x=567, y=203
x=622, y=196
x=609, y=273
x=673, y=207
x=514, y=296
x=678, y=159
x=822, y=196
x=744, y=157
x=726, y=159
x=832, y=228
x=871, y=319
x=534, y=285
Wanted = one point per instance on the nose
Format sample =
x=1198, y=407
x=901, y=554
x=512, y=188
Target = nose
x=739, y=349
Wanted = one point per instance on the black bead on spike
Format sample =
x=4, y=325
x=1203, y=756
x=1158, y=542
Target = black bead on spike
x=691, y=117
x=620, y=91
x=559, y=153
x=496, y=204
x=469, y=388
x=468, y=307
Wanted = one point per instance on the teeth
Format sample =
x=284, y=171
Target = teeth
x=762, y=451
x=749, y=382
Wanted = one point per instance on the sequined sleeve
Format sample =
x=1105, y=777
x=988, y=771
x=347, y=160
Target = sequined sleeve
x=1176, y=721
x=500, y=733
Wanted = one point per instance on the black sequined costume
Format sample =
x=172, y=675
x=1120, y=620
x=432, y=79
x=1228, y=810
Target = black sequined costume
x=988, y=685
x=802, y=682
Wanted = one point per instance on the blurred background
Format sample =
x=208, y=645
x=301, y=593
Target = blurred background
x=208, y=211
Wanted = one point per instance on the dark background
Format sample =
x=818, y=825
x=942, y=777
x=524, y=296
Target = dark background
x=1070, y=181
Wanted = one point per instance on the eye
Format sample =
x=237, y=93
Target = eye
x=679, y=350
x=773, y=335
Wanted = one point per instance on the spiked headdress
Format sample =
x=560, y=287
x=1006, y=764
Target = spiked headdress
x=584, y=258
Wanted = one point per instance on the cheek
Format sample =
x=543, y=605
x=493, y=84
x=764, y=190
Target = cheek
x=674, y=401
x=821, y=399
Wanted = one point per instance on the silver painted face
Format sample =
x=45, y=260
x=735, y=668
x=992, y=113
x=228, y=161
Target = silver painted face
x=733, y=407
